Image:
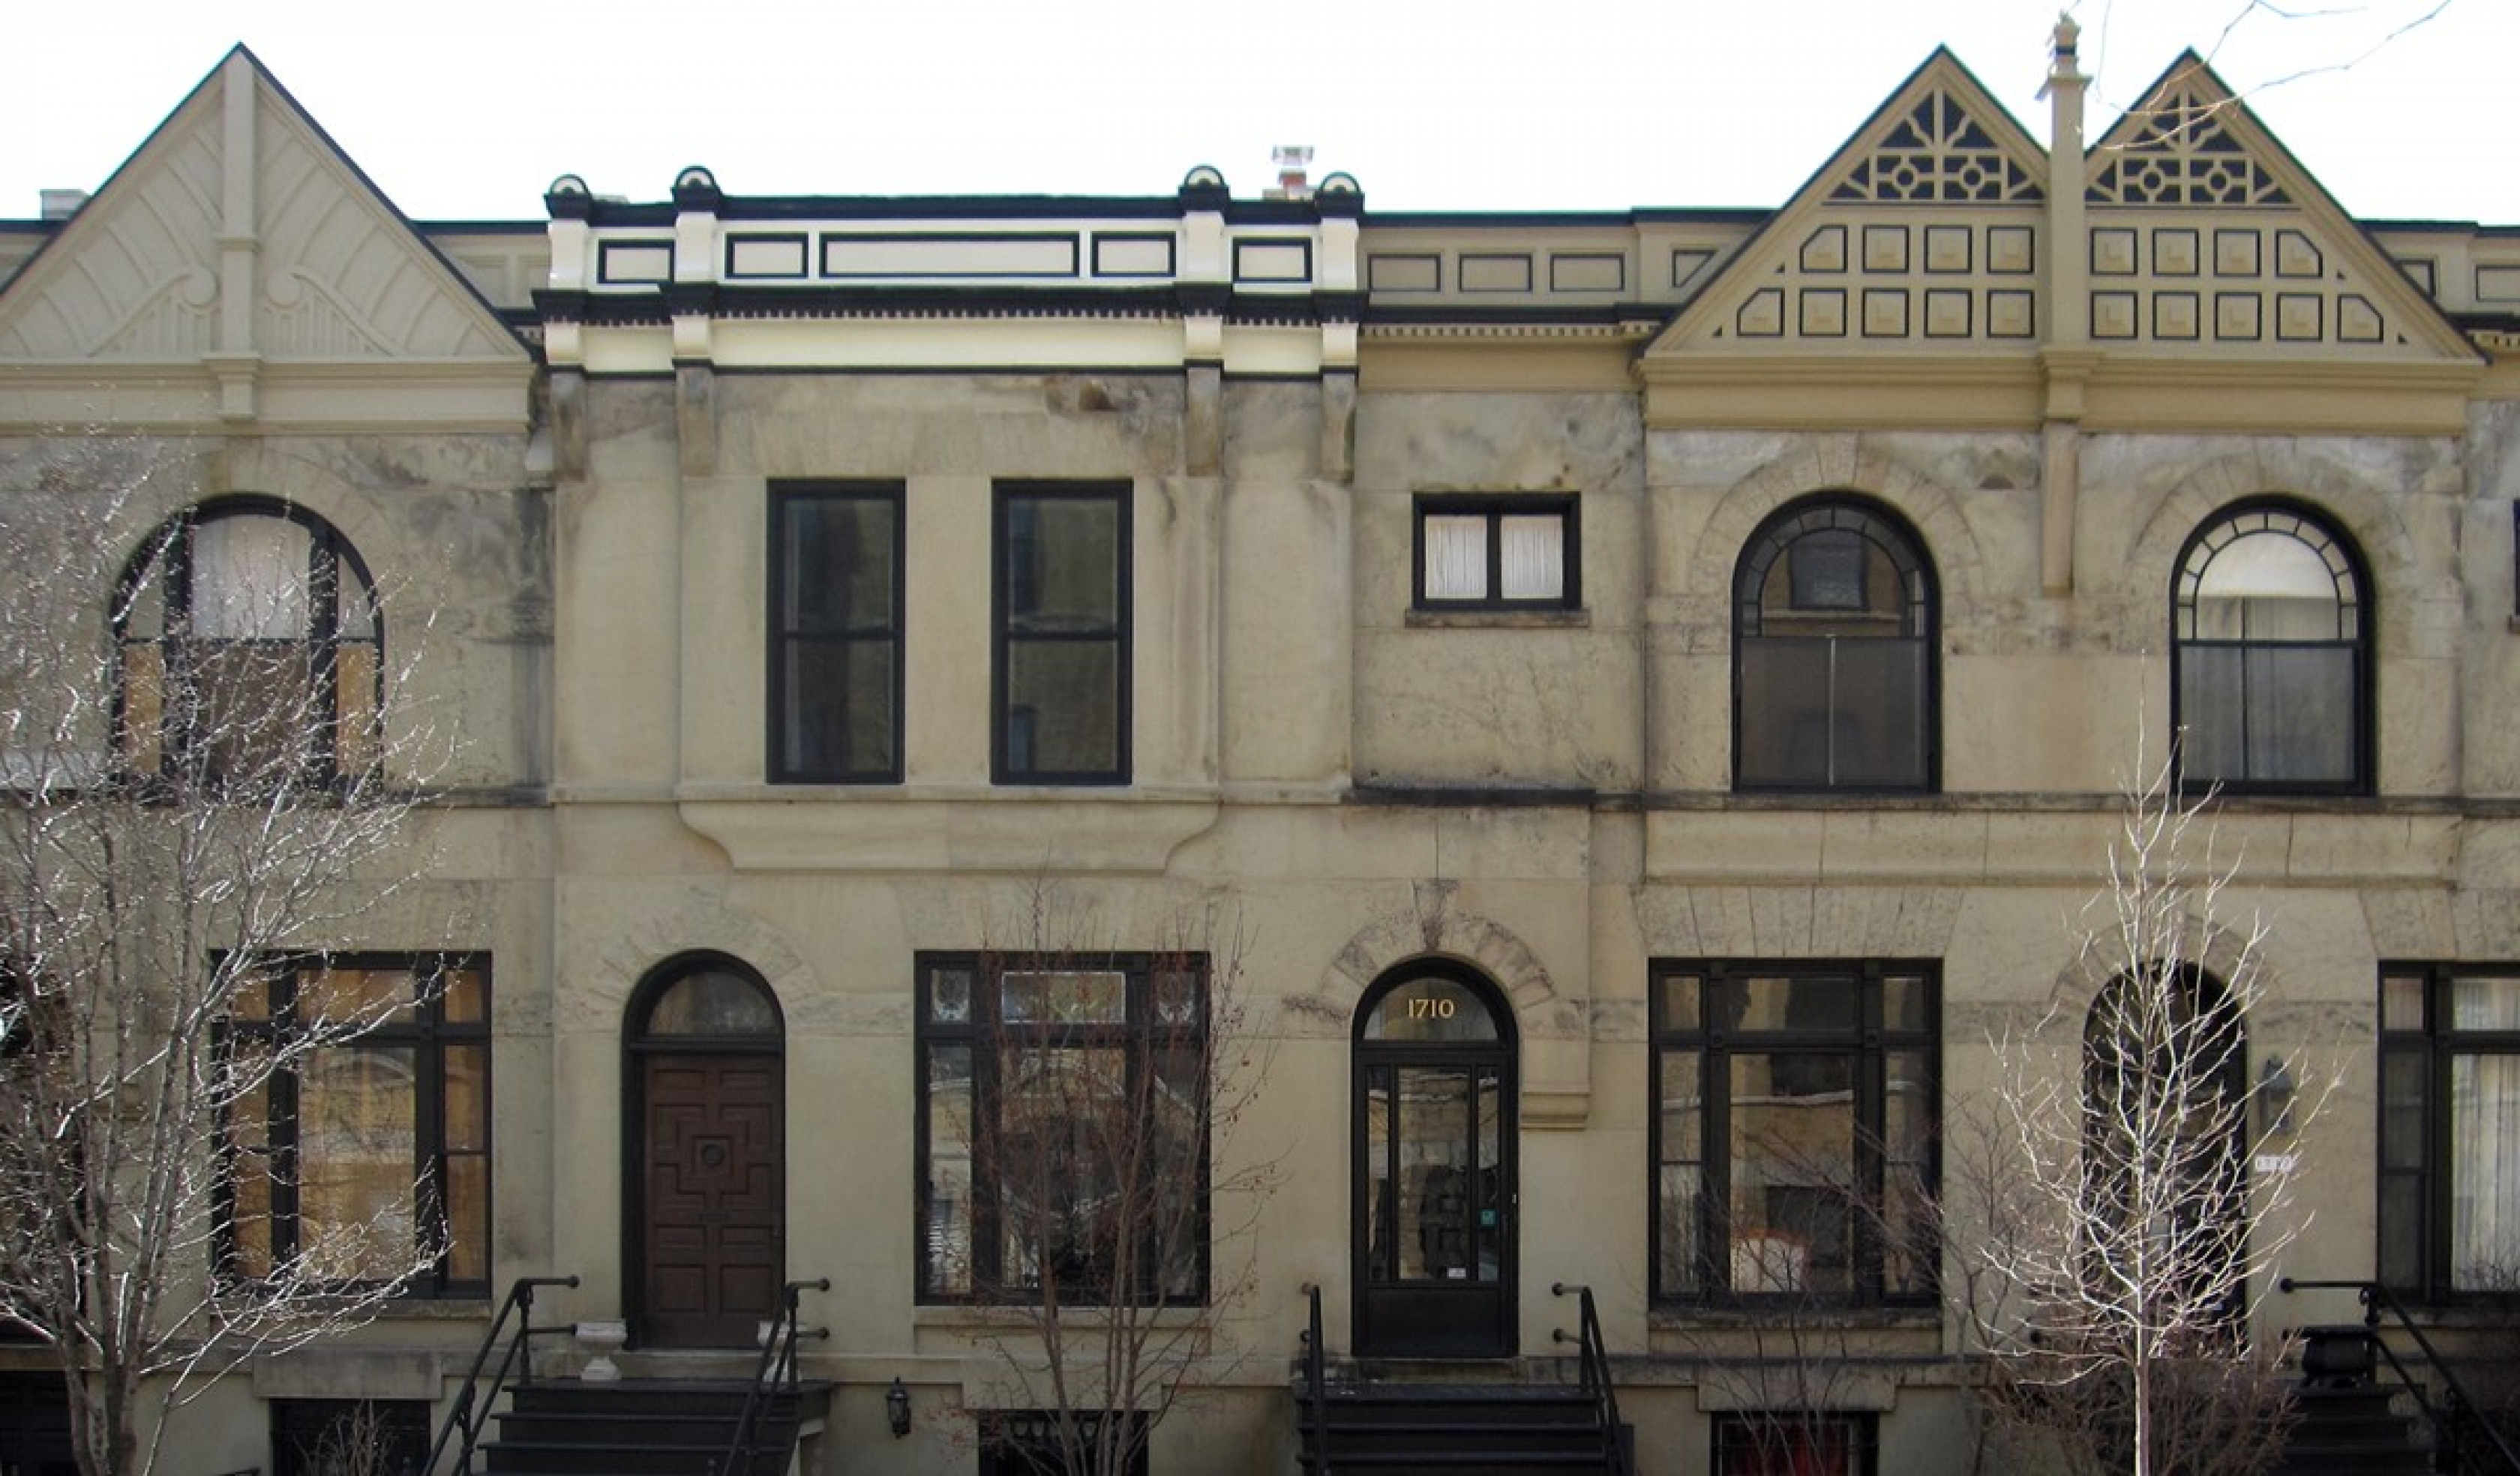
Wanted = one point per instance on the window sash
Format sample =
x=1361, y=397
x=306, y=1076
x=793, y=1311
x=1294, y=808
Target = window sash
x=835, y=621
x=1495, y=552
x=1830, y=712
x=1060, y=606
x=2448, y=1132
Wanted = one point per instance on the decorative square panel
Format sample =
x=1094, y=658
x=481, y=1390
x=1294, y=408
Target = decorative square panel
x=2297, y=256
x=2113, y=252
x=2300, y=317
x=2175, y=314
x=1885, y=312
x=1823, y=312
x=2009, y=250
x=1409, y=272
x=1763, y=316
x=1947, y=248
x=2113, y=315
x=1885, y=249
x=1494, y=271
x=2358, y=321
x=2237, y=317
x=1825, y=250
x=2174, y=252
x=2011, y=315
x=1947, y=313
x=2235, y=253
x=1686, y=263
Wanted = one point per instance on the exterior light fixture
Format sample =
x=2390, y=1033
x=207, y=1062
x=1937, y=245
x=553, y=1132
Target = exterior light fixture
x=2275, y=1094
x=896, y=1409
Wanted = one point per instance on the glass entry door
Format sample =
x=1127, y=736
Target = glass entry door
x=1434, y=1196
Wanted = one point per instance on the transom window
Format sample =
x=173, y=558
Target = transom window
x=1062, y=635
x=1795, y=1115
x=368, y=1152
x=835, y=610
x=2270, y=656
x=2450, y=1130
x=249, y=641
x=1497, y=552
x=1833, y=652
x=1063, y=1127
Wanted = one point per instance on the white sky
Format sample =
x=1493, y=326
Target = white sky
x=467, y=109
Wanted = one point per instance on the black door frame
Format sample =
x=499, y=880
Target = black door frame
x=1433, y=1318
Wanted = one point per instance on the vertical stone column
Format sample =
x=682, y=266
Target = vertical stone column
x=692, y=303
x=2067, y=357
x=235, y=363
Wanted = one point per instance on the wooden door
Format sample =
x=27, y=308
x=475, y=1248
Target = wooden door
x=713, y=1198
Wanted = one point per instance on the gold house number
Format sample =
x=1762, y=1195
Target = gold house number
x=1423, y=1008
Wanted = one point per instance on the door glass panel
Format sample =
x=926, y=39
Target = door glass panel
x=1436, y=1173
x=1381, y=1207
x=1488, y=1190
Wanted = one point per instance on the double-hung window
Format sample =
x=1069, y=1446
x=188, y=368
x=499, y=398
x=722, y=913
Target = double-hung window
x=362, y=1154
x=1060, y=685
x=1063, y=1128
x=2271, y=654
x=836, y=552
x=1494, y=551
x=1795, y=1111
x=2450, y=1130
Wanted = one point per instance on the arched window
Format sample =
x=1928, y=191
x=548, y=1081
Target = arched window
x=2271, y=654
x=1833, y=652
x=250, y=644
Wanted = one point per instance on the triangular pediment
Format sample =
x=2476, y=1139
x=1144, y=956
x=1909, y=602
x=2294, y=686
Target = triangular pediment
x=2209, y=239
x=1920, y=231
x=238, y=242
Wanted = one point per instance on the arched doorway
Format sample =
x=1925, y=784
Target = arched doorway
x=707, y=1165
x=1432, y=1194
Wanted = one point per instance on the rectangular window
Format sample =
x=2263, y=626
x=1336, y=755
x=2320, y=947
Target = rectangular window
x=1026, y=1443
x=1495, y=552
x=2448, y=1216
x=1796, y=1112
x=349, y=1437
x=1064, y=1126
x=1061, y=616
x=1793, y=1443
x=836, y=601
x=366, y=1150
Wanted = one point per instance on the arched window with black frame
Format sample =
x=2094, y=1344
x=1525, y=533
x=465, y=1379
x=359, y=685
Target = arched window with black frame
x=2270, y=656
x=249, y=646
x=1835, y=627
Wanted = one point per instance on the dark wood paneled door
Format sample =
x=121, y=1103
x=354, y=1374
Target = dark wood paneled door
x=713, y=1224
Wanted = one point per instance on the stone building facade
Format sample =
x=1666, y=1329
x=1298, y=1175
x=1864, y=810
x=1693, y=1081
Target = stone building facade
x=1551, y=621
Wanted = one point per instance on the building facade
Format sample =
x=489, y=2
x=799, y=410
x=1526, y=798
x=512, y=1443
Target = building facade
x=1600, y=696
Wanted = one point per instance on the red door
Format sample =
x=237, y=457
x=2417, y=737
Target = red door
x=714, y=1204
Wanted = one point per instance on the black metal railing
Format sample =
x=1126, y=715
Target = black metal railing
x=773, y=1375
x=514, y=1364
x=2465, y=1443
x=1594, y=1372
x=1317, y=1382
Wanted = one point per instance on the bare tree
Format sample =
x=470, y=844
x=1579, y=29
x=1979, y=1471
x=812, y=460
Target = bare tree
x=2128, y=1204
x=1099, y=1190
x=197, y=801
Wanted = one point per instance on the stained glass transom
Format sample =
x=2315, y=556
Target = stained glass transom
x=2184, y=155
x=1938, y=154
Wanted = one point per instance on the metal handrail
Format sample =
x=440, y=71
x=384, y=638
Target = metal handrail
x=1317, y=1382
x=775, y=1372
x=2450, y=1425
x=472, y=1405
x=1594, y=1370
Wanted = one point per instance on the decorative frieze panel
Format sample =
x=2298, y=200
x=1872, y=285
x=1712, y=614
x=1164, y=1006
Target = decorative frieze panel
x=2171, y=278
x=1938, y=154
x=2181, y=151
x=1919, y=280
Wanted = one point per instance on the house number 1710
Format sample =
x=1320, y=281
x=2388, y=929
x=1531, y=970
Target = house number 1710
x=1423, y=1008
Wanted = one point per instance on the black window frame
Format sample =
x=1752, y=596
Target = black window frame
x=2357, y=601
x=1005, y=742
x=1025, y=1442
x=1738, y=1434
x=982, y=1033
x=333, y=1437
x=1866, y=1042
x=1831, y=516
x=164, y=564
x=1495, y=508
x=427, y=1033
x=2422, y=1056
x=788, y=633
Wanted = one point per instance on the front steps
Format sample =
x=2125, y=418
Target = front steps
x=645, y=1427
x=1441, y=1418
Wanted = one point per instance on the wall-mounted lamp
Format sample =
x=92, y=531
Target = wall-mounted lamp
x=2275, y=1094
x=896, y=1409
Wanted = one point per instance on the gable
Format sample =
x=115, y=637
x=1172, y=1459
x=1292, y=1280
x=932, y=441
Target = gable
x=2207, y=238
x=241, y=263
x=1921, y=233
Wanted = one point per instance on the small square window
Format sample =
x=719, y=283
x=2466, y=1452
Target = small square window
x=1488, y=552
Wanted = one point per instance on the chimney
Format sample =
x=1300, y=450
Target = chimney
x=1292, y=160
x=62, y=205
